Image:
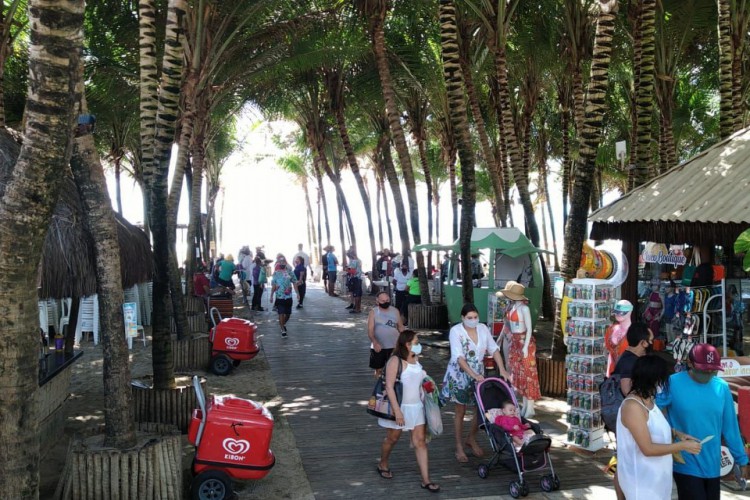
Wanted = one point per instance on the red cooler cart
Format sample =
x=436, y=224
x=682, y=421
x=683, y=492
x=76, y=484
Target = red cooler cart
x=232, y=438
x=232, y=341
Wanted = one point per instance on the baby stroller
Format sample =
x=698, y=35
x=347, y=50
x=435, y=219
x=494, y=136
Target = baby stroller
x=532, y=456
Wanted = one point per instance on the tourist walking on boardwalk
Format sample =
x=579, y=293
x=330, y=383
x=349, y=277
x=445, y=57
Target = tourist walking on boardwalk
x=355, y=281
x=400, y=278
x=259, y=283
x=470, y=340
x=330, y=263
x=410, y=412
x=282, y=282
x=700, y=404
x=305, y=258
x=300, y=272
x=644, y=437
x=383, y=327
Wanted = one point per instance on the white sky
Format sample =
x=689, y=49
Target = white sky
x=263, y=205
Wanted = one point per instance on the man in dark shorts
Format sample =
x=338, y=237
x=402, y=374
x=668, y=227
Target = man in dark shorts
x=281, y=292
x=640, y=342
x=383, y=327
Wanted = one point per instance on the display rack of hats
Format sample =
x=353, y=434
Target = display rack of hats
x=589, y=309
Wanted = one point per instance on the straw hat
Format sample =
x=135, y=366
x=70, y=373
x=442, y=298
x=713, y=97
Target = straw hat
x=513, y=290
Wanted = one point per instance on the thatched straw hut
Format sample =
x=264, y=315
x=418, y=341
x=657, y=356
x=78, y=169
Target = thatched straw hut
x=68, y=268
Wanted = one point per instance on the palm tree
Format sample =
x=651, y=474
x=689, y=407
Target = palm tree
x=30, y=193
x=726, y=78
x=575, y=229
x=376, y=12
x=740, y=18
x=644, y=92
x=454, y=86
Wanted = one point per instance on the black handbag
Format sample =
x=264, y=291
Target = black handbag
x=378, y=404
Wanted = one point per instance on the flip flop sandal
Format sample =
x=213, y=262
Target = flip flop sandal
x=431, y=487
x=385, y=473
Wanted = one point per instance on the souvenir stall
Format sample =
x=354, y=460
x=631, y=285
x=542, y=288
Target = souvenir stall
x=680, y=228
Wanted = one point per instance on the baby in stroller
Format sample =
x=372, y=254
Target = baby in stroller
x=507, y=418
x=517, y=443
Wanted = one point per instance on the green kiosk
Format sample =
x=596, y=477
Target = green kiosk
x=508, y=255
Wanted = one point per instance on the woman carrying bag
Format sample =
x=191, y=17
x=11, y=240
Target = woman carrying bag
x=409, y=412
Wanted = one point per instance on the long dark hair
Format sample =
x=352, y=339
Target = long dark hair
x=649, y=372
x=467, y=308
x=402, y=350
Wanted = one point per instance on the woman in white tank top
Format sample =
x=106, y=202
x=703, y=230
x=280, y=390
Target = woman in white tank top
x=644, y=437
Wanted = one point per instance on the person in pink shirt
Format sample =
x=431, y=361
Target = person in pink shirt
x=509, y=420
x=615, y=338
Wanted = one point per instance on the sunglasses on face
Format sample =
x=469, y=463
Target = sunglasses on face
x=620, y=313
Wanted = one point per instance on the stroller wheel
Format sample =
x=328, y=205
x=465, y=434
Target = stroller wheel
x=524, y=488
x=555, y=482
x=514, y=488
x=546, y=483
x=483, y=471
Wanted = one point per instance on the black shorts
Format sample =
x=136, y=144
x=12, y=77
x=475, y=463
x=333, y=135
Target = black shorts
x=379, y=359
x=356, y=287
x=283, y=306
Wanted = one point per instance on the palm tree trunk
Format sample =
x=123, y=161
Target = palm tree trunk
x=321, y=194
x=314, y=246
x=740, y=19
x=378, y=208
x=398, y=201
x=118, y=185
x=454, y=192
x=377, y=25
x=726, y=81
x=198, y=150
x=566, y=160
x=386, y=206
x=644, y=93
x=119, y=430
x=149, y=90
x=29, y=198
x=156, y=175
x=454, y=87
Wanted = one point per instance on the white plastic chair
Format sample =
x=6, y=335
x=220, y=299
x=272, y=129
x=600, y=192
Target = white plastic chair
x=43, y=317
x=53, y=313
x=88, y=318
x=67, y=304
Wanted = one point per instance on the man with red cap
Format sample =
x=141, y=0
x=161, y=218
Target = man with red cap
x=699, y=405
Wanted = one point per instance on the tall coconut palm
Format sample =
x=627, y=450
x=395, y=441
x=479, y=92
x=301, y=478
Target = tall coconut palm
x=29, y=195
x=575, y=230
x=376, y=12
x=740, y=18
x=155, y=176
x=454, y=87
x=644, y=92
x=726, y=79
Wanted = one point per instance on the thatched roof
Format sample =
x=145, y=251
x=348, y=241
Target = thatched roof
x=703, y=200
x=67, y=268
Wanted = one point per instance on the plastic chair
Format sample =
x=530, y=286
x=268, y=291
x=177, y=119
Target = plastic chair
x=53, y=313
x=67, y=304
x=43, y=317
x=88, y=318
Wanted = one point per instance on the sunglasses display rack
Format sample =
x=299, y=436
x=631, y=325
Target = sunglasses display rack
x=589, y=307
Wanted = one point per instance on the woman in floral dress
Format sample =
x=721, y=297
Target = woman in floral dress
x=470, y=341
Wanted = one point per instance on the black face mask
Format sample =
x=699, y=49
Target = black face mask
x=385, y=305
x=282, y=266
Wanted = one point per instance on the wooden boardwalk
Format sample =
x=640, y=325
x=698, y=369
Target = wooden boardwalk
x=322, y=376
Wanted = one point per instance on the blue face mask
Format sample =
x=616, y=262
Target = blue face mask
x=416, y=349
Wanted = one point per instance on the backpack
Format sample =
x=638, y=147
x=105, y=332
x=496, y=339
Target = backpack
x=611, y=399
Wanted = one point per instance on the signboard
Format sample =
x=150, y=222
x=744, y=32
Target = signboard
x=657, y=253
x=130, y=319
x=733, y=369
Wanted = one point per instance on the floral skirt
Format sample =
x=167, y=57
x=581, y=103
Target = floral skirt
x=457, y=386
x=523, y=370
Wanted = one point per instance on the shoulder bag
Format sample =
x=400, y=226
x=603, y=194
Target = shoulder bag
x=378, y=404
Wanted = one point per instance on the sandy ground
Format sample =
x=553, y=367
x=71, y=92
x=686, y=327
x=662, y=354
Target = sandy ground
x=84, y=412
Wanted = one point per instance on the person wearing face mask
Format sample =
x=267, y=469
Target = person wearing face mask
x=401, y=276
x=282, y=283
x=470, y=341
x=383, y=326
x=700, y=404
x=644, y=437
x=522, y=350
x=410, y=412
x=614, y=339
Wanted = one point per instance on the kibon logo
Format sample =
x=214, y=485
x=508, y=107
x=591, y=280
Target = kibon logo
x=235, y=448
x=232, y=342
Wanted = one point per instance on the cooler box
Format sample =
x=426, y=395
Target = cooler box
x=236, y=337
x=236, y=438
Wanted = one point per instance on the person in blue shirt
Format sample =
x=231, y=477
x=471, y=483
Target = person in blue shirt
x=331, y=265
x=700, y=405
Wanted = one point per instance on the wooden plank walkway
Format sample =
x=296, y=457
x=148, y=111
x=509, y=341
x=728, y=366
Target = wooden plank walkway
x=322, y=375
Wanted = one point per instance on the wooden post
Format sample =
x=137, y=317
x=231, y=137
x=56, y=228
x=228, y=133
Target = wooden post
x=428, y=317
x=165, y=406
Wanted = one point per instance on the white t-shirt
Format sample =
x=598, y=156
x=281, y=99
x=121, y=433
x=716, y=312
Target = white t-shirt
x=401, y=279
x=247, y=266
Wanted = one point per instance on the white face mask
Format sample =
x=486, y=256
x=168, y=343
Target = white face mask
x=471, y=323
x=416, y=349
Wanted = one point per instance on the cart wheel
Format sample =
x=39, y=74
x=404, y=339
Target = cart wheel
x=211, y=485
x=546, y=483
x=524, y=488
x=514, y=489
x=221, y=365
x=555, y=482
x=236, y=363
x=483, y=471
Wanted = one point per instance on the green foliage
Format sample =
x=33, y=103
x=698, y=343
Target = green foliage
x=742, y=246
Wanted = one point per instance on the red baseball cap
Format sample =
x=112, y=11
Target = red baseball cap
x=705, y=357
